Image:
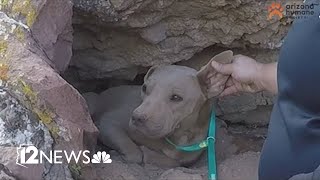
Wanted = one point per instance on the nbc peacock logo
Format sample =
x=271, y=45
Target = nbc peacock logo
x=101, y=157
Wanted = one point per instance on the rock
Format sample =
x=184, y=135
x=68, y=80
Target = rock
x=121, y=171
x=117, y=36
x=202, y=58
x=38, y=106
x=19, y=126
x=256, y=117
x=50, y=24
x=5, y=173
x=178, y=174
x=249, y=109
x=237, y=167
x=54, y=33
x=224, y=144
x=242, y=102
x=240, y=167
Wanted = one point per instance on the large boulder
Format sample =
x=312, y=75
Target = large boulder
x=37, y=106
x=114, y=38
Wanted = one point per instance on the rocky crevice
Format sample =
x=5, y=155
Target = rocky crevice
x=115, y=38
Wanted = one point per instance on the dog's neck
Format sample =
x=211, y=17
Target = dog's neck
x=196, y=129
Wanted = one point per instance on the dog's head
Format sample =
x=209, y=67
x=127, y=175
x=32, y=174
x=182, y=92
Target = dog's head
x=171, y=95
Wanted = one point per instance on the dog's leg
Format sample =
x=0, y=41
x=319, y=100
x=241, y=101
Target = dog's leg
x=188, y=159
x=92, y=100
x=159, y=159
x=119, y=140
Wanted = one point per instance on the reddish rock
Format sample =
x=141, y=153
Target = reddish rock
x=37, y=105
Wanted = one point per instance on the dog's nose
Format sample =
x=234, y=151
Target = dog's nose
x=138, y=119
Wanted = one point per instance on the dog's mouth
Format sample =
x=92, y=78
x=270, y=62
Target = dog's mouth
x=144, y=130
x=173, y=130
x=152, y=133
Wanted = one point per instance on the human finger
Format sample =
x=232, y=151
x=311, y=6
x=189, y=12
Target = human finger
x=226, y=69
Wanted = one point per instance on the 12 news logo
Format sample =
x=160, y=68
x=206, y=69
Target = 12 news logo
x=29, y=154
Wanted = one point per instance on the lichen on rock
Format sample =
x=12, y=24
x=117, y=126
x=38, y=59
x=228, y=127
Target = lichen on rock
x=19, y=33
x=19, y=125
x=10, y=28
x=3, y=47
x=36, y=36
x=20, y=9
x=44, y=114
x=4, y=72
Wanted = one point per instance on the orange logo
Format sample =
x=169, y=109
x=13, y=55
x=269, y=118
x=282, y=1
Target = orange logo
x=275, y=9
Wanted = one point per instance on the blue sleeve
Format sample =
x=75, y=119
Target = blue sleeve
x=310, y=176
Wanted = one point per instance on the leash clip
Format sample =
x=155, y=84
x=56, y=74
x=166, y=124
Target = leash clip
x=210, y=137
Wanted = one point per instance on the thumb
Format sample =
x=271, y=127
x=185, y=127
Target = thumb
x=225, y=69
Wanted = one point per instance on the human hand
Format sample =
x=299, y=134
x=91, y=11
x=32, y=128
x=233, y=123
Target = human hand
x=214, y=85
x=245, y=75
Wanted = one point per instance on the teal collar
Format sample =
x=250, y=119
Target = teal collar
x=207, y=143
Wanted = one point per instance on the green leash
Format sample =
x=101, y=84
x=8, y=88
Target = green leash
x=209, y=142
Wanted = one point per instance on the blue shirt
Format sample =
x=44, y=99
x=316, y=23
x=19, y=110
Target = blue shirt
x=293, y=142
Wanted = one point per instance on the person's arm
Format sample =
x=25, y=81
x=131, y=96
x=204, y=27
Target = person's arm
x=267, y=76
x=310, y=176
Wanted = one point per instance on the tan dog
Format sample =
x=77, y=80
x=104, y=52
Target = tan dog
x=174, y=104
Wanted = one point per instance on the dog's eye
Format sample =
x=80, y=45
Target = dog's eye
x=144, y=88
x=176, y=98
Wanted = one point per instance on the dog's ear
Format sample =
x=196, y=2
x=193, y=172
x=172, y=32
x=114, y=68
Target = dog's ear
x=209, y=89
x=150, y=71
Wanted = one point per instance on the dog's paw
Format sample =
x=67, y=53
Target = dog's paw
x=159, y=159
x=147, y=154
x=134, y=156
